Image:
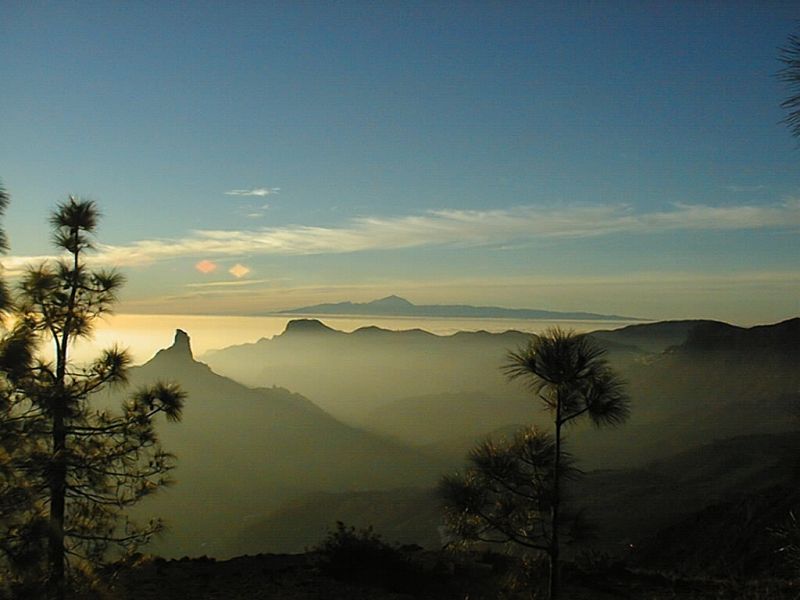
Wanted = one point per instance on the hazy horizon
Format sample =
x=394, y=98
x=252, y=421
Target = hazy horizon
x=144, y=334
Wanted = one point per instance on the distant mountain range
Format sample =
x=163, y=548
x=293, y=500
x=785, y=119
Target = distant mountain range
x=395, y=306
x=265, y=468
x=690, y=381
x=244, y=451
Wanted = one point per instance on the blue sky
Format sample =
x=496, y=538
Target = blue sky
x=611, y=157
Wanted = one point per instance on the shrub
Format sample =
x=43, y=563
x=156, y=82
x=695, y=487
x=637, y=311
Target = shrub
x=361, y=556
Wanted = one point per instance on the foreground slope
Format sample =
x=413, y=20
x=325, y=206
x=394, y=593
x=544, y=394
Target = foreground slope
x=429, y=576
x=629, y=508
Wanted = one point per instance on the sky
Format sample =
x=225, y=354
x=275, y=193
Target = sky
x=621, y=157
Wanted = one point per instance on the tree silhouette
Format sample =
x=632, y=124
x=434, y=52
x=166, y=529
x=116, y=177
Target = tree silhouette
x=506, y=493
x=16, y=490
x=5, y=301
x=790, y=75
x=570, y=375
x=78, y=466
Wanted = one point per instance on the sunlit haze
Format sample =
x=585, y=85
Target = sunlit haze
x=144, y=335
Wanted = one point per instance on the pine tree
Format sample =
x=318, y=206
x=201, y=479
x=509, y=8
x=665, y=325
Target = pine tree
x=17, y=491
x=79, y=466
x=505, y=495
x=790, y=75
x=512, y=492
x=571, y=377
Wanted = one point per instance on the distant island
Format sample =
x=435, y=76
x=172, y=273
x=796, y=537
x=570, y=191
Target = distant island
x=395, y=306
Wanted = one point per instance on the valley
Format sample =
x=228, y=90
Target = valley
x=265, y=469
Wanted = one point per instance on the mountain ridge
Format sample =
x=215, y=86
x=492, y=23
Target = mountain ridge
x=713, y=336
x=400, y=307
x=424, y=388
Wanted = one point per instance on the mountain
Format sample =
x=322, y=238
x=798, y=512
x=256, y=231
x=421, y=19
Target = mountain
x=780, y=339
x=720, y=381
x=395, y=306
x=721, y=365
x=352, y=374
x=243, y=451
x=262, y=467
x=689, y=382
x=652, y=337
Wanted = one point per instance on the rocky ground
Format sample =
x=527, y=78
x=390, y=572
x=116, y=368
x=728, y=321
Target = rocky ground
x=435, y=576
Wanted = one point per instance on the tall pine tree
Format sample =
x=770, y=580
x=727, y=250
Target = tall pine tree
x=78, y=467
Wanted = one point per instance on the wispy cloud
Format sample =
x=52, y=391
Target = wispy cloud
x=742, y=189
x=455, y=228
x=254, y=211
x=16, y=264
x=260, y=191
x=228, y=284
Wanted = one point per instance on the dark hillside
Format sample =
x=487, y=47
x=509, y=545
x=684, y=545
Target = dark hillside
x=781, y=339
x=735, y=538
x=627, y=506
x=633, y=504
x=652, y=337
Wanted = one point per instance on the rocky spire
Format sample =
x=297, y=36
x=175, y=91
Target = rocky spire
x=182, y=343
x=181, y=348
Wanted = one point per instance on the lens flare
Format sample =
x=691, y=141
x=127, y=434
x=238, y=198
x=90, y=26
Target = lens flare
x=206, y=266
x=238, y=270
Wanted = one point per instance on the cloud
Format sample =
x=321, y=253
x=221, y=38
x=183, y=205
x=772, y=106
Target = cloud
x=741, y=189
x=457, y=228
x=253, y=211
x=228, y=284
x=261, y=192
x=16, y=265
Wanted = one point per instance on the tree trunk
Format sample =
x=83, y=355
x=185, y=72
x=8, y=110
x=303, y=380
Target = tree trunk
x=58, y=476
x=56, y=583
x=555, y=575
x=58, y=485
